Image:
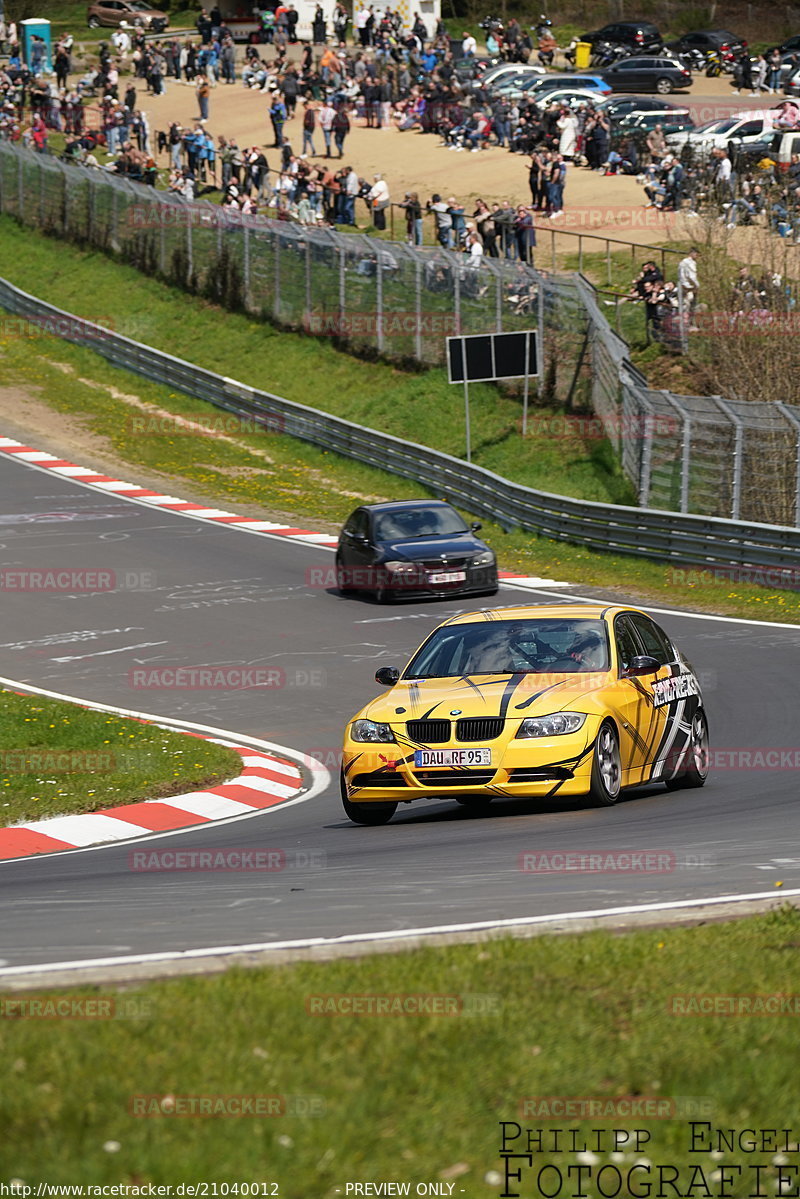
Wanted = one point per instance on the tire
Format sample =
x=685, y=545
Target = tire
x=606, y=782
x=365, y=813
x=663, y=87
x=695, y=772
x=93, y=23
x=478, y=803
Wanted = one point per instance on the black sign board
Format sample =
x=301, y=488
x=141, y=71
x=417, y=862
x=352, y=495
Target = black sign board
x=485, y=357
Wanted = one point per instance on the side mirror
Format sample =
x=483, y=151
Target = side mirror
x=642, y=664
x=387, y=676
x=476, y=526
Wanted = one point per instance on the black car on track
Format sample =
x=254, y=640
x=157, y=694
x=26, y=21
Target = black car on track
x=412, y=548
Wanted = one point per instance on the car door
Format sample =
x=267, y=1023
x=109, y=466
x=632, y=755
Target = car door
x=636, y=719
x=674, y=690
x=355, y=551
x=623, y=76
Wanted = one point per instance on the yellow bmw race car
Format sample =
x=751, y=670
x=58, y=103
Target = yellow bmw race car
x=534, y=701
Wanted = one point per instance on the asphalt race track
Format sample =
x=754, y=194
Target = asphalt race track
x=218, y=596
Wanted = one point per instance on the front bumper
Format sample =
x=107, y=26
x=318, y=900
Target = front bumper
x=537, y=767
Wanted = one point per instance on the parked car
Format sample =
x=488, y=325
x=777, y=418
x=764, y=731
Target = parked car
x=515, y=79
x=617, y=107
x=738, y=129
x=791, y=79
x=644, y=122
x=135, y=12
x=571, y=97
x=662, y=75
x=721, y=40
x=641, y=36
x=504, y=70
x=792, y=43
x=539, y=90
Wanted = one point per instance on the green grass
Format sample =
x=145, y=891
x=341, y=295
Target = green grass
x=421, y=407
x=410, y=1098
x=57, y=758
x=269, y=474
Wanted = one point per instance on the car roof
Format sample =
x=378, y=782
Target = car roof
x=543, y=612
x=394, y=505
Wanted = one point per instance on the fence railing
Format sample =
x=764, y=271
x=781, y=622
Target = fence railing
x=691, y=454
x=660, y=535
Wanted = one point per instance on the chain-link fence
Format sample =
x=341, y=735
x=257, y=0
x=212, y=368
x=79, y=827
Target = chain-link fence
x=690, y=454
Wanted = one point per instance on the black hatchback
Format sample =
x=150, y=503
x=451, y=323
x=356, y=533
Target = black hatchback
x=411, y=548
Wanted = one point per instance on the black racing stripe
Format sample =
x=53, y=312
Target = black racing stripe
x=465, y=679
x=425, y=715
x=510, y=688
x=352, y=763
x=526, y=703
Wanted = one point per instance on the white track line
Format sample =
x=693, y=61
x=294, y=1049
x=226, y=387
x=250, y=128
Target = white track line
x=184, y=955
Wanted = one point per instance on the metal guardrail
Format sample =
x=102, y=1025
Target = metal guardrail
x=710, y=457
x=648, y=533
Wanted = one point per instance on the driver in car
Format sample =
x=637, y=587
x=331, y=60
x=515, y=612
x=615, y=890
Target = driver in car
x=587, y=650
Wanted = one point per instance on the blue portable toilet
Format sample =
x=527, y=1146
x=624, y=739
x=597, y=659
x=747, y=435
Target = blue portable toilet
x=31, y=29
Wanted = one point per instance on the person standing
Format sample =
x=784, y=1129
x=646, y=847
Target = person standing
x=352, y=190
x=413, y=210
x=555, y=185
x=688, y=285
x=277, y=115
x=340, y=128
x=309, y=125
x=203, y=92
x=524, y=234
x=325, y=117
x=379, y=200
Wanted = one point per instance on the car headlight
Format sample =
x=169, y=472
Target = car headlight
x=400, y=568
x=484, y=559
x=369, y=730
x=554, y=725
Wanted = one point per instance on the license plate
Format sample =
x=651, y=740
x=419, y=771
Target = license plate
x=452, y=757
x=451, y=576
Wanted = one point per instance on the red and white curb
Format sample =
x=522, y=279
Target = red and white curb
x=268, y=780
x=87, y=477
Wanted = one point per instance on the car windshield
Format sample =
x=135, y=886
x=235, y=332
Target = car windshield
x=417, y=522
x=547, y=646
x=716, y=127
